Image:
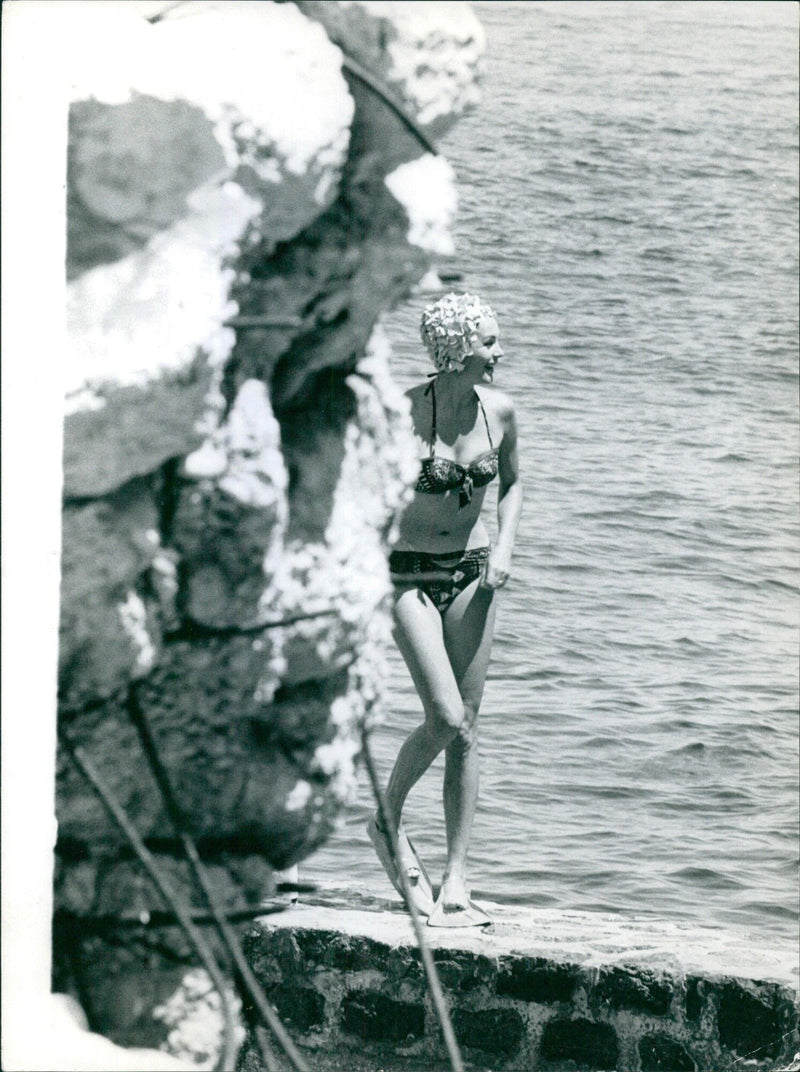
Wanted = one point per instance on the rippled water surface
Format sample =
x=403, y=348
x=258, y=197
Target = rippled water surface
x=628, y=205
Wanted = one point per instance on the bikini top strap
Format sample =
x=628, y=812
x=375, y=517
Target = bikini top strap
x=485, y=421
x=433, y=417
x=432, y=390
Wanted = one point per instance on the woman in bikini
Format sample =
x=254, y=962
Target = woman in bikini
x=446, y=576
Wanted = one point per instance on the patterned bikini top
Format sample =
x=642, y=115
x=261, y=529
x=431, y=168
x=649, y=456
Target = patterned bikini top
x=438, y=475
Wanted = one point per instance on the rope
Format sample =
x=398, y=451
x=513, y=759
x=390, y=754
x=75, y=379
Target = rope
x=766, y=1046
x=251, y=985
x=435, y=987
x=372, y=83
x=87, y=768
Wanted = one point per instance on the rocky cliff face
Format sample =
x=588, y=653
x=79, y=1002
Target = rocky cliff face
x=242, y=207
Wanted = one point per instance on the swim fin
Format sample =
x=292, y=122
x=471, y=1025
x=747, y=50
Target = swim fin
x=458, y=915
x=418, y=880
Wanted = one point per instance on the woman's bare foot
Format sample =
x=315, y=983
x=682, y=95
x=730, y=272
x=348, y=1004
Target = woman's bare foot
x=454, y=892
x=454, y=908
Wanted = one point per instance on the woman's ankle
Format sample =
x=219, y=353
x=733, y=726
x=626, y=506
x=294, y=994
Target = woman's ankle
x=454, y=878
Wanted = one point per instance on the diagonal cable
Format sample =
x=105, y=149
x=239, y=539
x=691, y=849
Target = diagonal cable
x=251, y=985
x=87, y=768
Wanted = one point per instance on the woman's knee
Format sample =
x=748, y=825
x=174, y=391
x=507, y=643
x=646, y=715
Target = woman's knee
x=467, y=734
x=445, y=721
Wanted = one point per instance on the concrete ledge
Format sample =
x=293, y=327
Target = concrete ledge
x=538, y=990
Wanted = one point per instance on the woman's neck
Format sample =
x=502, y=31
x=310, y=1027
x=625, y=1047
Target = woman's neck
x=455, y=392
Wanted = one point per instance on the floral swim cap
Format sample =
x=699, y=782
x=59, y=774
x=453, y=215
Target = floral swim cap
x=447, y=328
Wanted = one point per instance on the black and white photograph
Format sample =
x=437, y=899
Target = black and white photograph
x=401, y=536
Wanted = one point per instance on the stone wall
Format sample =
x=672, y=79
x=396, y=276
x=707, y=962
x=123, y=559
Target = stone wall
x=242, y=209
x=550, y=991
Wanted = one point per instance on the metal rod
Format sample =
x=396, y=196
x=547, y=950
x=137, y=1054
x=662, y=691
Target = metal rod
x=275, y=623
x=435, y=987
x=255, y=321
x=251, y=984
x=87, y=768
x=189, y=627
x=158, y=917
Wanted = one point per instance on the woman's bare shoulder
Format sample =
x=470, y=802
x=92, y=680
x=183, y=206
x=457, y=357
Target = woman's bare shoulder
x=497, y=402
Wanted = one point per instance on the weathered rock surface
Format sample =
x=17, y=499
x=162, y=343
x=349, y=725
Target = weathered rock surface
x=241, y=210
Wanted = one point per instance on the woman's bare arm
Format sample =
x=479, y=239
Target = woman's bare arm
x=509, y=504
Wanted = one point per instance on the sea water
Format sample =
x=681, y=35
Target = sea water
x=628, y=204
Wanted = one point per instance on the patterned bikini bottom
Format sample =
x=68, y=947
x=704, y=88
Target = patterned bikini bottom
x=461, y=569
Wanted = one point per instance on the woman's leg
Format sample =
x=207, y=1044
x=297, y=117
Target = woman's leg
x=468, y=630
x=419, y=636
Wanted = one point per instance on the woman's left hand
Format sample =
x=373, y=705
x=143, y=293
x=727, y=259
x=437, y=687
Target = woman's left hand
x=497, y=571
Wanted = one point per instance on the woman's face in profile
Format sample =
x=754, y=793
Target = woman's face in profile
x=486, y=350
